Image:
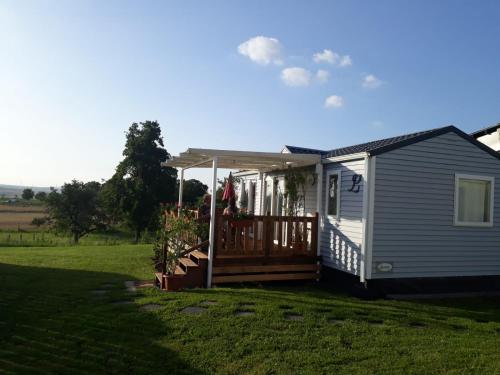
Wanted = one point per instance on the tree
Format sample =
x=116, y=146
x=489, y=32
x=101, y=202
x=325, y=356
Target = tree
x=39, y=221
x=76, y=209
x=192, y=191
x=41, y=196
x=140, y=183
x=28, y=194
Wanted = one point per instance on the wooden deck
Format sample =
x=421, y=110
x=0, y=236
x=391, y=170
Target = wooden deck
x=258, y=248
x=265, y=248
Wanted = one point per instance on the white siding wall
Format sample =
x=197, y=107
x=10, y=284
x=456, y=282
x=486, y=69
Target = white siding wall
x=341, y=240
x=414, y=209
x=310, y=201
x=247, y=179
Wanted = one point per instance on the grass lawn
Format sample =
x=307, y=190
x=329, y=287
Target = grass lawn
x=57, y=316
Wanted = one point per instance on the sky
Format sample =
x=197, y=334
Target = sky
x=246, y=75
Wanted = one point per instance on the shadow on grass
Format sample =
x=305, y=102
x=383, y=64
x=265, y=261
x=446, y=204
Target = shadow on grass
x=52, y=320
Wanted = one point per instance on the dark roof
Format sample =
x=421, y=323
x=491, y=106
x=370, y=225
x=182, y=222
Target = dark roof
x=304, y=150
x=374, y=145
x=388, y=144
x=485, y=131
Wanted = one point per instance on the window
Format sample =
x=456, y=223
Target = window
x=474, y=200
x=333, y=193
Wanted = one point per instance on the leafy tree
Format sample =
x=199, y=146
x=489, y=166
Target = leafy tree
x=76, y=209
x=41, y=196
x=140, y=183
x=39, y=221
x=192, y=191
x=28, y=194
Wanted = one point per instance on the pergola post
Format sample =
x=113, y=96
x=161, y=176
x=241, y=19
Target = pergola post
x=212, y=221
x=319, y=202
x=181, y=186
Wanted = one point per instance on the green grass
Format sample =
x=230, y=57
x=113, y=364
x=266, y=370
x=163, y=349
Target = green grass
x=50, y=322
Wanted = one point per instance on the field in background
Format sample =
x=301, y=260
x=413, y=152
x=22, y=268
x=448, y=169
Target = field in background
x=19, y=216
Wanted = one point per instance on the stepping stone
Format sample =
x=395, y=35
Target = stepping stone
x=144, y=284
x=336, y=321
x=247, y=306
x=193, y=310
x=122, y=302
x=209, y=303
x=361, y=313
x=151, y=307
x=294, y=317
x=99, y=292
x=244, y=313
x=323, y=310
x=417, y=324
x=458, y=328
x=130, y=286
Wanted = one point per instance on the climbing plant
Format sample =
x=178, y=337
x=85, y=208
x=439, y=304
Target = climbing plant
x=295, y=192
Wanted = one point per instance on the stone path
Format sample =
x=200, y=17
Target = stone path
x=151, y=307
x=99, y=292
x=293, y=317
x=130, y=286
x=193, y=310
x=244, y=313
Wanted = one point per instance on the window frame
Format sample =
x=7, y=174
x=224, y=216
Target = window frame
x=456, y=221
x=332, y=172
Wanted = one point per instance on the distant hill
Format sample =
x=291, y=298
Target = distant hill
x=10, y=191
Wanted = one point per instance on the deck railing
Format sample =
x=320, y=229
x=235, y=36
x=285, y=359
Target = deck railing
x=266, y=236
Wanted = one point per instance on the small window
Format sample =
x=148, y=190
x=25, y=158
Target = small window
x=333, y=193
x=474, y=200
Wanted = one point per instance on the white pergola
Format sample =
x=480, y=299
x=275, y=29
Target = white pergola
x=261, y=162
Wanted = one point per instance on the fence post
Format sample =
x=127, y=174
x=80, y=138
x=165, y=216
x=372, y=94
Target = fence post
x=314, y=234
x=267, y=235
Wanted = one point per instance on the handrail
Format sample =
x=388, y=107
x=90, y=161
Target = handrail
x=266, y=235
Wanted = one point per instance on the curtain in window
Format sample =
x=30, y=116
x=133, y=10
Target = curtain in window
x=474, y=201
x=332, y=194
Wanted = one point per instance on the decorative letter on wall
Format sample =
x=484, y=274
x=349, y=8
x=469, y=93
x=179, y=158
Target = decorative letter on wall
x=356, y=181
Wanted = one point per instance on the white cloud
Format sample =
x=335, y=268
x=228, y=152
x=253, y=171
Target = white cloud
x=326, y=56
x=296, y=76
x=371, y=82
x=322, y=75
x=333, y=58
x=334, y=101
x=262, y=50
x=345, y=61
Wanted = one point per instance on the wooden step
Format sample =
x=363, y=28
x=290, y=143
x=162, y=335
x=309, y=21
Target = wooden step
x=179, y=271
x=187, y=262
x=264, y=268
x=198, y=254
x=265, y=277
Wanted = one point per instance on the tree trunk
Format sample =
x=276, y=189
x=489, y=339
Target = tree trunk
x=76, y=237
x=137, y=235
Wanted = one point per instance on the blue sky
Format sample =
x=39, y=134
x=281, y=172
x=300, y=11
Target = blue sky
x=74, y=75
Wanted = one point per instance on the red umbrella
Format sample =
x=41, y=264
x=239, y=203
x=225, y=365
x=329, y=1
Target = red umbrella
x=228, y=189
